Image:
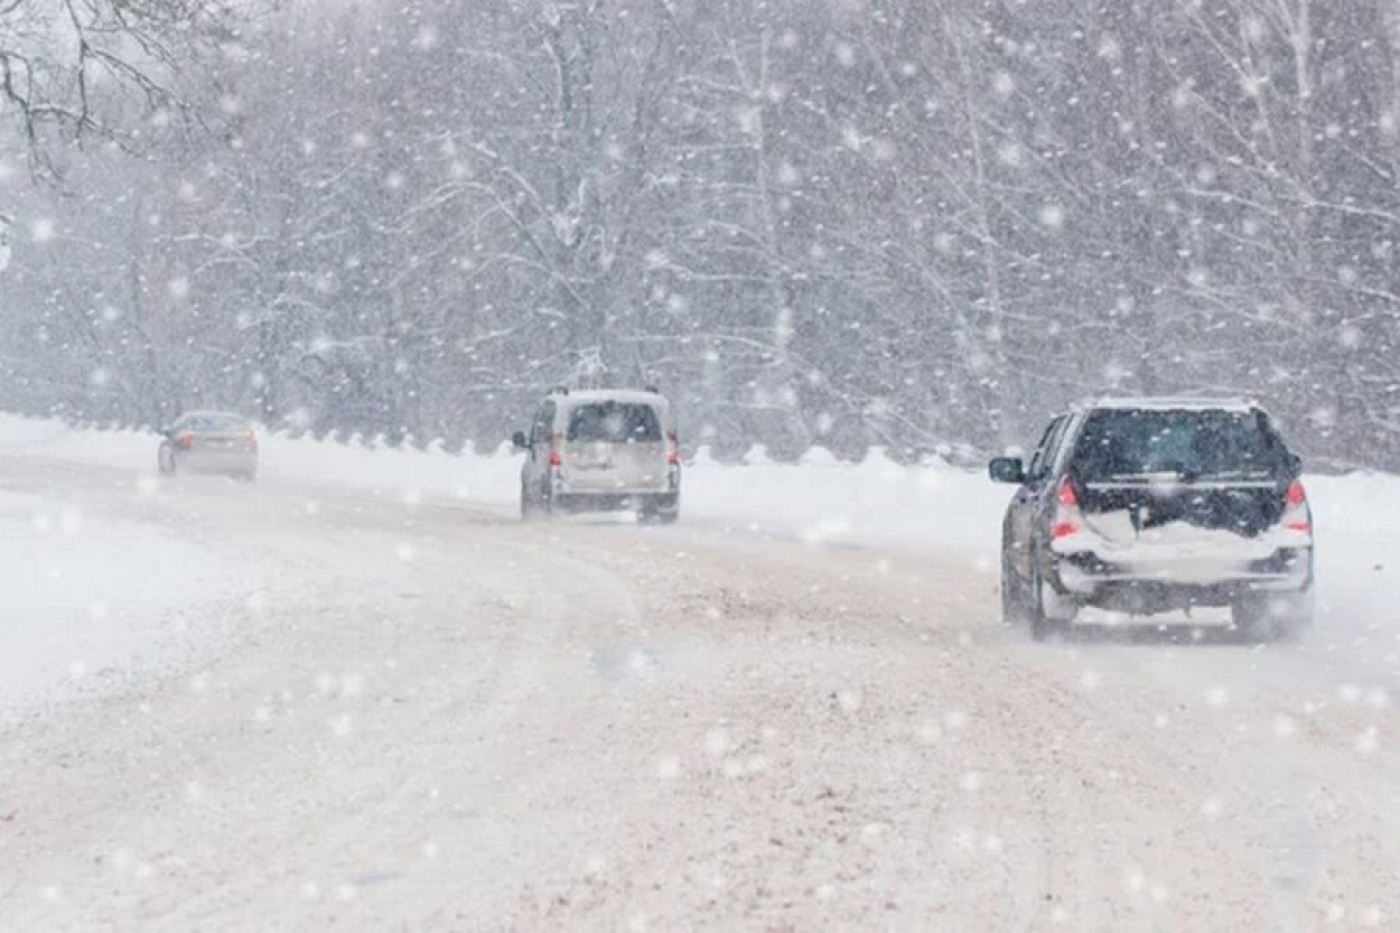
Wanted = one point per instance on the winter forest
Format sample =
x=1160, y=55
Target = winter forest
x=919, y=224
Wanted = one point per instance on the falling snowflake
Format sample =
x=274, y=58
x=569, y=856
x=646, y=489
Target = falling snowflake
x=426, y=40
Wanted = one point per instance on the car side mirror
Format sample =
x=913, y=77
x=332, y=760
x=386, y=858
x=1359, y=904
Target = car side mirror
x=1007, y=470
x=165, y=431
x=520, y=441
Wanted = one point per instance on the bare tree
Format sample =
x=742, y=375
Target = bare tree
x=75, y=67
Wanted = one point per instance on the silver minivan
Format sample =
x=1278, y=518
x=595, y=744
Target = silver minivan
x=601, y=450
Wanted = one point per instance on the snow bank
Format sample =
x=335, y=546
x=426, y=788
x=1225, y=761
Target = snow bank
x=822, y=500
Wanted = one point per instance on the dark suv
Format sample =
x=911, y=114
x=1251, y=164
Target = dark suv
x=1145, y=506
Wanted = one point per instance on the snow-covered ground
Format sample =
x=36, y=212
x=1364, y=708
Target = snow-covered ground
x=358, y=692
x=87, y=600
x=820, y=501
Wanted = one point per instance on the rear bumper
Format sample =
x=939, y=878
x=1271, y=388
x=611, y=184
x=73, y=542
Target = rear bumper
x=583, y=484
x=1148, y=586
x=222, y=461
x=616, y=501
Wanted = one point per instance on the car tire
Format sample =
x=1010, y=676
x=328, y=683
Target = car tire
x=1013, y=593
x=1046, y=616
x=165, y=460
x=1297, y=618
x=658, y=517
x=652, y=513
x=1273, y=618
x=534, y=507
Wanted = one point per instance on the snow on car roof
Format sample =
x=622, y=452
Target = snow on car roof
x=635, y=396
x=1174, y=403
x=206, y=412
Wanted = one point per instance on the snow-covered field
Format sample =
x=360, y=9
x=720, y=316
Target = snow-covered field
x=359, y=693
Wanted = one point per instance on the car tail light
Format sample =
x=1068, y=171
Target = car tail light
x=185, y=441
x=1297, y=516
x=556, y=458
x=1296, y=495
x=251, y=439
x=1068, y=498
x=1066, y=522
x=673, y=457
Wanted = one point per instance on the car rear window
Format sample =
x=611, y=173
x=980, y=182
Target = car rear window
x=1190, y=444
x=614, y=422
x=216, y=423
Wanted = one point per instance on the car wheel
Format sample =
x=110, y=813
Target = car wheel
x=165, y=460
x=1270, y=617
x=534, y=507
x=1297, y=616
x=1013, y=594
x=653, y=514
x=1250, y=618
x=1049, y=614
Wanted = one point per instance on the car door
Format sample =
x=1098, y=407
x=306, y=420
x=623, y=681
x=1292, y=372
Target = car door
x=537, y=457
x=167, y=454
x=1026, y=505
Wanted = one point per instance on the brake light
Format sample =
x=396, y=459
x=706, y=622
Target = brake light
x=185, y=441
x=556, y=458
x=1296, y=495
x=1296, y=514
x=251, y=439
x=674, y=456
x=1065, y=525
x=1067, y=497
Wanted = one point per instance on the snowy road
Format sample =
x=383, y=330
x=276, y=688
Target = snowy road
x=423, y=715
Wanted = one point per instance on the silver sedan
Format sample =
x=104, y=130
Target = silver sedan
x=209, y=442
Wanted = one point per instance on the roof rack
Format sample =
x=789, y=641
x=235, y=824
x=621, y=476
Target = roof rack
x=559, y=390
x=1187, y=402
